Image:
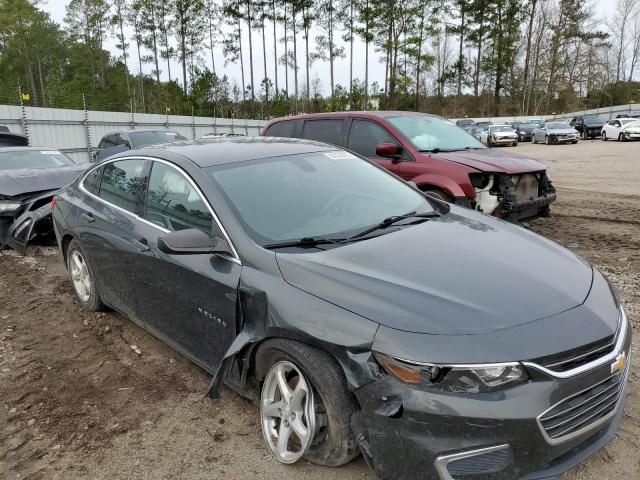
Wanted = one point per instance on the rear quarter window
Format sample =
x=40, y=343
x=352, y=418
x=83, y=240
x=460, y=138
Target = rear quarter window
x=328, y=131
x=91, y=182
x=282, y=129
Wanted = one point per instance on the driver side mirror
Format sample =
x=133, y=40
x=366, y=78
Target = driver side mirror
x=389, y=150
x=191, y=242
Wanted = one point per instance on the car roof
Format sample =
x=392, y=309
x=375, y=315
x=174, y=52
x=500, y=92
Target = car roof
x=138, y=130
x=22, y=149
x=356, y=113
x=223, y=150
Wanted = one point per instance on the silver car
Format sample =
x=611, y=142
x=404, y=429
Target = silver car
x=555, y=132
x=496, y=135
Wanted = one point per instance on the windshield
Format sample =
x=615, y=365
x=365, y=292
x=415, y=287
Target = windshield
x=433, y=133
x=557, y=125
x=594, y=120
x=632, y=124
x=141, y=139
x=501, y=128
x=17, y=159
x=536, y=121
x=465, y=123
x=322, y=194
x=624, y=121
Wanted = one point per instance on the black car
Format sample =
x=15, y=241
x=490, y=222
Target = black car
x=117, y=142
x=361, y=314
x=589, y=126
x=524, y=130
x=29, y=177
x=10, y=139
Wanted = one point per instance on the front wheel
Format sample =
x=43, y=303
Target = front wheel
x=546, y=140
x=305, y=407
x=604, y=136
x=533, y=139
x=515, y=144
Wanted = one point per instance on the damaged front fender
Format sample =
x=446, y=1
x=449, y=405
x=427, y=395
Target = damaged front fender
x=34, y=221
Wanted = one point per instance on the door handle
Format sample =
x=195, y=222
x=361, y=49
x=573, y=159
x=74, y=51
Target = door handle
x=88, y=217
x=142, y=245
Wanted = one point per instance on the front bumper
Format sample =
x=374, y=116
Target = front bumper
x=525, y=137
x=514, y=210
x=593, y=132
x=563, y=138
x=409, y=433
x=503, y=140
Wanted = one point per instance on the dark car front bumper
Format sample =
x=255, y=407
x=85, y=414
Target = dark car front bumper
x=406, y=433
x=533, y=431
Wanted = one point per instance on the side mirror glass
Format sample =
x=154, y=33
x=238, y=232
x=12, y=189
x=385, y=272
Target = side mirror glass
x=191, y=242
x=389, y=150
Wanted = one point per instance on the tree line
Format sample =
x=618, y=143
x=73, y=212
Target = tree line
x=452, y=57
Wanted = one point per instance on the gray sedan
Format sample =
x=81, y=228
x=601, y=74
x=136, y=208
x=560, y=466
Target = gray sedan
x=555, y=132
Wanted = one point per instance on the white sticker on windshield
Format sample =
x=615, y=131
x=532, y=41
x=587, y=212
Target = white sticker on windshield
x=339, y=155
x=49, y=152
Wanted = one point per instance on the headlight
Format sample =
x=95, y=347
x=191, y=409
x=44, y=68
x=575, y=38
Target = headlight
x=8, y=208
x=523, y=133
x=455, y=378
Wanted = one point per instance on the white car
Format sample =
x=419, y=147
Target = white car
x=621, y=129
x=499, y=135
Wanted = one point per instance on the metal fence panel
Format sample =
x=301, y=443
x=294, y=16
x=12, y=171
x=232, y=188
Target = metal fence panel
x=78, y=132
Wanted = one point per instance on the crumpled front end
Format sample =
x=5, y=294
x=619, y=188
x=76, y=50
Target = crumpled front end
x=513, y=197
x=28, y=220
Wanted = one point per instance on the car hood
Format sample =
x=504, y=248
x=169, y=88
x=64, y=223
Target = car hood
x=23, y=181
x=492, y=160
x=527, y=129
x=594, y=124
x=562, y=131
x=503, y=134
x=457, y=274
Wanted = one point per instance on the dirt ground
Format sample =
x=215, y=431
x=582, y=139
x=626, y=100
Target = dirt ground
x=78, y=402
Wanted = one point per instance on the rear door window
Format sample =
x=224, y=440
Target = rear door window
x=122, y=184
x=327, y=130
x=365, y=135
x=282, y=129
x=173, y=203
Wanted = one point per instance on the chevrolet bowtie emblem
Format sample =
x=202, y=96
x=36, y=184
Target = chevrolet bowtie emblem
x=619, y=364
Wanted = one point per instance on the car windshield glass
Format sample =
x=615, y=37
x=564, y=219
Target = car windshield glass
x=594, y=120
x=633, y=124
x=14, y=160
x=140, y=139
x=557, y=125
x=502, y=129
x=624, y=121
x=331, y=194
x=535, y=122
x=433, y=133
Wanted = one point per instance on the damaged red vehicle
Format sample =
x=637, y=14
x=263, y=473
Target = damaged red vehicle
x=29, y=177
x=441, y=158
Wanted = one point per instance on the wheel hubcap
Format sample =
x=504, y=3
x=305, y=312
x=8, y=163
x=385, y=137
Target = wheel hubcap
x=80, y=276
x=287, y=412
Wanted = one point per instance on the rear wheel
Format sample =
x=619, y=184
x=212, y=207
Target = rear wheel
x=305, y=407
x=82, y=279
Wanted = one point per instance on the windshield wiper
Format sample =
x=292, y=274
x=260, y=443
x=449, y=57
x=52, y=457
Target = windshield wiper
x=438, y=149
x=387, y=222
x=303, y=242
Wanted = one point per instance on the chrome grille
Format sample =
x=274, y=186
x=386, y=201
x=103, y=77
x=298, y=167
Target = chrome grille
x=582, y=411
x=568, y=360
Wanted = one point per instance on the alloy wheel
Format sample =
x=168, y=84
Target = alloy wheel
x=80, y=276
x=287, y=412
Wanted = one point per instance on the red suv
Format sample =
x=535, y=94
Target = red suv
x=438, y=156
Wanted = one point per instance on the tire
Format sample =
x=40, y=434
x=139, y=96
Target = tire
x=332, y=441
x=546, y=140
x=515, y=144
x=621, y=138
x=439, y=194
x=533, y=140
x=604, y=136
x=585, y=136
x=575, y=142
x=79, y=269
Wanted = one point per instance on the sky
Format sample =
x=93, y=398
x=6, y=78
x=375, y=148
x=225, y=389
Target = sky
x=57, y=10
